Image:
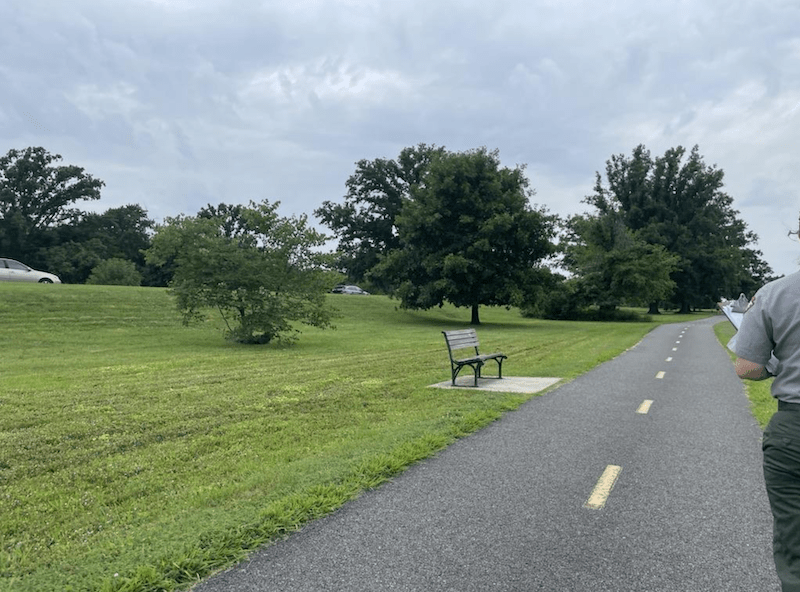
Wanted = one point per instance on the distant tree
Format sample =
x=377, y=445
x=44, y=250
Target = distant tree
x=261, y=272
x=36, y=195
x=612, y=266
x=365, y=222
x=756, y=272
x=115, y=272
x=74, y=261
x=125, y=230
x=679, y=204
x=86, y=239
x=468, y=236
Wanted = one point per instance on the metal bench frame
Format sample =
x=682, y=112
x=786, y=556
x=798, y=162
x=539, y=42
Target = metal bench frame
x=468, y=339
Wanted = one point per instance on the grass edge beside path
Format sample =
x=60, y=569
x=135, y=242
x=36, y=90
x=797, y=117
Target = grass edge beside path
x=217, y=553
x=140, y=455
x=762, y=404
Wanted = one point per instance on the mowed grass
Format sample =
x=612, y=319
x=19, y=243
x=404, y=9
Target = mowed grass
x=139, y=454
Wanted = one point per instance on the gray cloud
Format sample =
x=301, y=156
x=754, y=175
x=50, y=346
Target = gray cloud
x=176, y=104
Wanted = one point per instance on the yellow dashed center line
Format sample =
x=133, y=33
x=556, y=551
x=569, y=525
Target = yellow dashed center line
x=605, y=484
x=603, y=488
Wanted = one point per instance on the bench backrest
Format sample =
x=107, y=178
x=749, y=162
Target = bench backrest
x=461, y=339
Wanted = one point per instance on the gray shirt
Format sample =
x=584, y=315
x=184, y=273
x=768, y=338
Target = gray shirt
x=772, y=326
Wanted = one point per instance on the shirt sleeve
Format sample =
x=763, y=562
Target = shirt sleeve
x=754, y=340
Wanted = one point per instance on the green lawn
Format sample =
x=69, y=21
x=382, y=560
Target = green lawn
x=139, y=454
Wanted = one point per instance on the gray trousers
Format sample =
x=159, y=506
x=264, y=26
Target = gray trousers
x=782, y=479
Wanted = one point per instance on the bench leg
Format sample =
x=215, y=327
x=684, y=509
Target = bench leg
x=455, y=371
x=499, y=368
x=476, y=369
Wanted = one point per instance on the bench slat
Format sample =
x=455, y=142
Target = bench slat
x=461, y=339
x=461, y=344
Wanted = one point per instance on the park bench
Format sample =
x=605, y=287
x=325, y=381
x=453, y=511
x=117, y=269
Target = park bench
x=468, y=339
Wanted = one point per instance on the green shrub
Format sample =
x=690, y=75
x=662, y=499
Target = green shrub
x=115, y=272
x=567, y=301
x=555, y=301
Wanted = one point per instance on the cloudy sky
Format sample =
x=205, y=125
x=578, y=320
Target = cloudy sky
x=179, y=103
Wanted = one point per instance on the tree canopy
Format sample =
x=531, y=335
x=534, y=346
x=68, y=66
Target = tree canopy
x=36, y=194
x=429, y=226
x=87, y=239
x=676, y=201
x=613, y=266
x=365, y=223
x=467, y=236
x=260, y=271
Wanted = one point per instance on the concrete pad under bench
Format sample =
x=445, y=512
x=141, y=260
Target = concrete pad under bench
x=508, y=384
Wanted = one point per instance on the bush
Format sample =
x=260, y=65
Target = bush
x=115, y=272
x=567, y=301
x=261, y=272
x=555, y=300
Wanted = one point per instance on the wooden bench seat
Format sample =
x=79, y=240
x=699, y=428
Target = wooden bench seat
x=464, y=339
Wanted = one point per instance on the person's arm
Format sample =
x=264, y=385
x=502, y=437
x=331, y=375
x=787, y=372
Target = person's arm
x=748, y=370
x=754, y=341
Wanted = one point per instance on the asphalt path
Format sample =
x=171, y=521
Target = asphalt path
x=506, y=508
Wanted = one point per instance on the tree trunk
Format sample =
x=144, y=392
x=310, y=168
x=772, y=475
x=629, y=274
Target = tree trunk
x=475, y=319
x=685, y=308
x=654, y=309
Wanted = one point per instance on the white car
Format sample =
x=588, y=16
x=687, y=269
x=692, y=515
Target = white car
x=347, y=289
x=14, y=271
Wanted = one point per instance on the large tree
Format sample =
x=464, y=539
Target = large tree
x=36, y=194
x=613, y=266
x=262, y=272
x=376, y=192
x=468, y=236
x=677, y=201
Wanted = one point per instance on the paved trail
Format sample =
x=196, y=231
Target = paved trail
x=505, y=509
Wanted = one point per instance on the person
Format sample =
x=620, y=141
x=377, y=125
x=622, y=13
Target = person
x=768, y=344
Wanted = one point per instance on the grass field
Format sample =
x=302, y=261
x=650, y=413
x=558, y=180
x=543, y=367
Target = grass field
x=139, y=454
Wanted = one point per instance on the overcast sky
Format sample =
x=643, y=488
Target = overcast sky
x=176, y=104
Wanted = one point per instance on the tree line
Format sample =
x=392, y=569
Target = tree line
x=41, y=225
x=662, y=230
x=433, y=226
x=428, y=227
